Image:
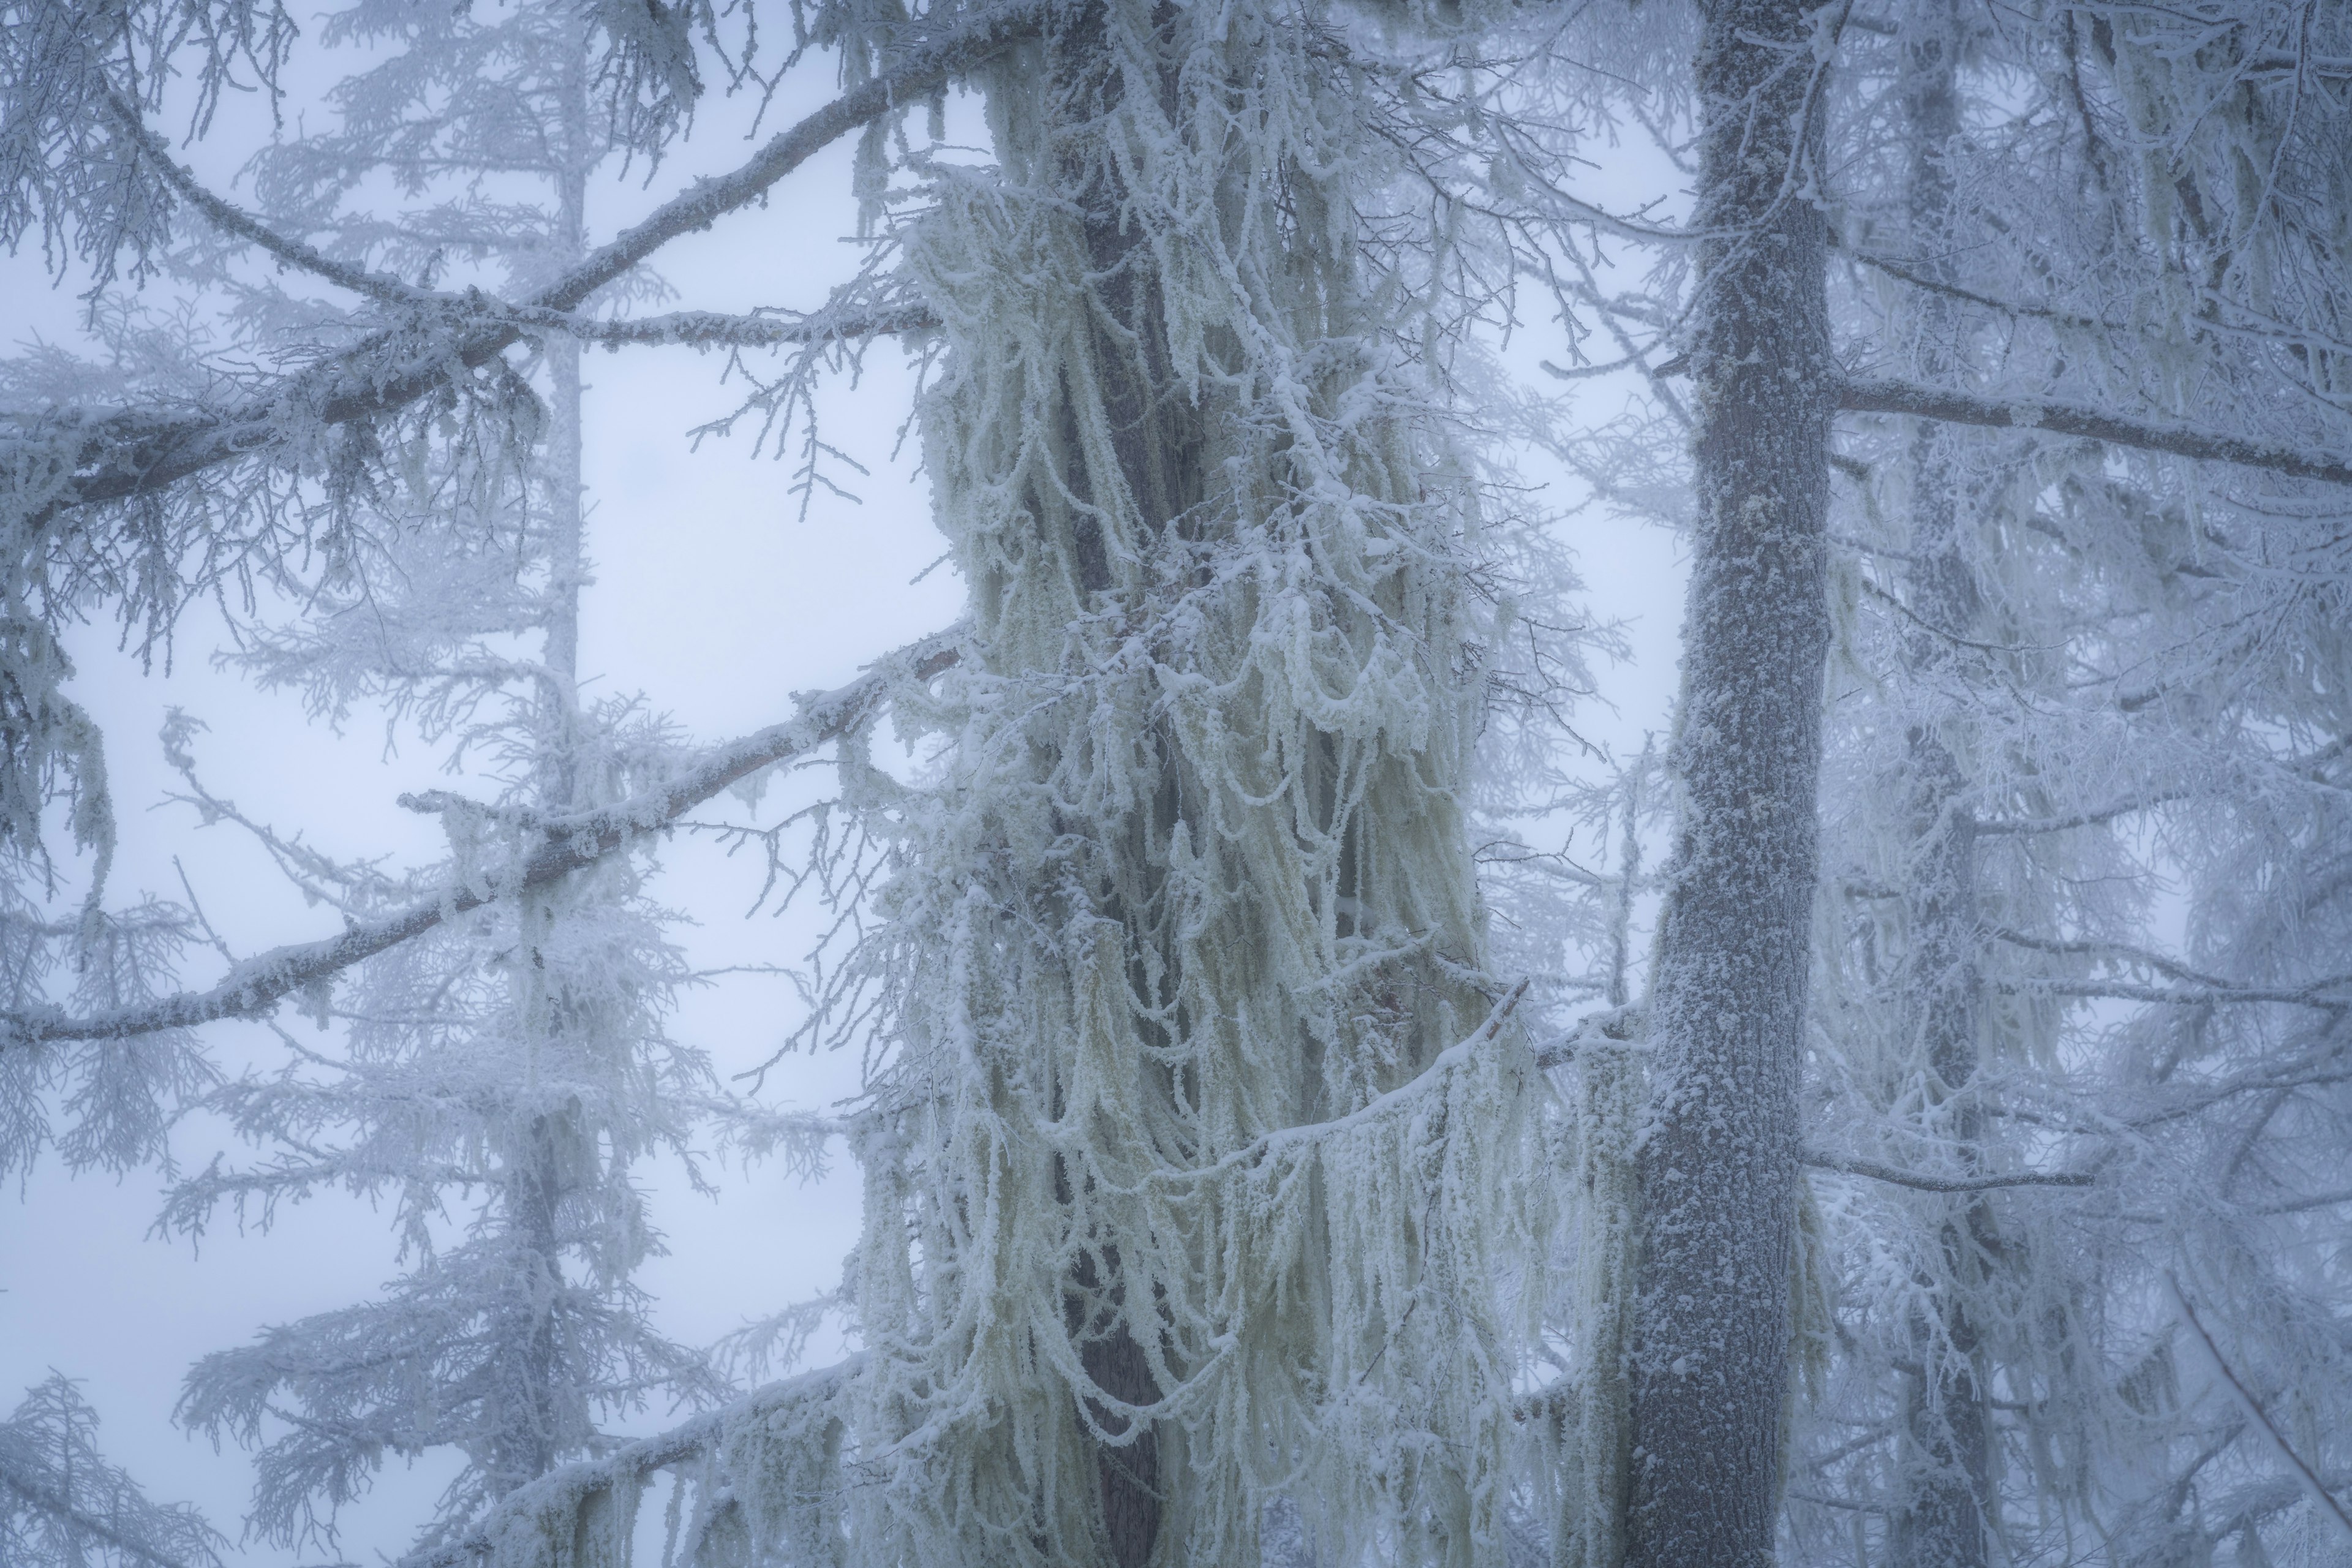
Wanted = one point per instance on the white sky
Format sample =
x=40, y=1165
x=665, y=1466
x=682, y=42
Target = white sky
x=713, y=599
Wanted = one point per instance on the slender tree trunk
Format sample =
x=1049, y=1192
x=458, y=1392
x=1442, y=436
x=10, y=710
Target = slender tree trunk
x=538, y=1425
x=1717, y=1167
x=1940, y=1519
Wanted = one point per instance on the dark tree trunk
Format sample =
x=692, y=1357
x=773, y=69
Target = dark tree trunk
x=1156, y=437
x=1718, y=1168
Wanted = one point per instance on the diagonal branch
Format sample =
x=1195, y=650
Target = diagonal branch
x=559, y=1495
x=1880, y=396
x=233, y=220
x=2255, y=1413
x=567, y=844
x=133, y=454
x=39, y=1496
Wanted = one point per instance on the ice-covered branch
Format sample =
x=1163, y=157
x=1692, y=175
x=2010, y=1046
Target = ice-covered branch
x=1927, y=1184
x=567, y=844
x=61, y=1501
x=132, y=453
x=1287, y=1138
x=2255, y=1413
x=1872, y=395
x=2081, y=818
x=720, y=328
x=2110, y=952
x=557, y=1509
x=233, y=220
x=34, y=1495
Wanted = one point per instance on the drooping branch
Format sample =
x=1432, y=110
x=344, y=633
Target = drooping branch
x=2112, y=953
x=2327, y=995
x=566, y=845
x=233, y=220
x=43, y=1499
x=568, y=1491
x=131, y=454
x=1873, y=395
x=1927, y=1184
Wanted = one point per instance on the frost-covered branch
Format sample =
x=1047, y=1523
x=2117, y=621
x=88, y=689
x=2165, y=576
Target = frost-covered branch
x=1288, y=1139
x=569, y=844
x=550, y=1511
x=62, y=1503
x=1927, y=1184
x=1872, y=395
x=2094, y=818
x=133, y=454
x=233, y=220
x=2258, y=1415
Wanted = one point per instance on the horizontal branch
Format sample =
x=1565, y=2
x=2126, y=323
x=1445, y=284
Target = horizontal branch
x=133, y=454
x=719, y=329
x=568, y=843
x=2110, y=953
x=567, y=1487
x=1880, y=396
x=2316, y=994
x=2079, y=819
x=1926, y=1183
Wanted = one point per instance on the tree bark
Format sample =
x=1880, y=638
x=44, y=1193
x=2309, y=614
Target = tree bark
x=1718, y=1163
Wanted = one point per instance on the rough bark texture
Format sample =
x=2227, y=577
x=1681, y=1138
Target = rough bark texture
x=1719, y=1164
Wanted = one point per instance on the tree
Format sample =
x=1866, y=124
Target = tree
x=514, y=1059
x=61, y=1503
x=1175, y=1216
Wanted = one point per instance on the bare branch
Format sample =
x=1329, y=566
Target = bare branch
x=567, y=844
x=1880, y=396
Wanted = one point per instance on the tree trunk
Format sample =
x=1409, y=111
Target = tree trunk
x=1717, y=1168
x=1939, y=1521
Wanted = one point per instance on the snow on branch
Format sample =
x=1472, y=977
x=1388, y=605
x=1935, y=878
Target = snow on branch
x=1870, y=395
x=586, y=1512
x=701, y=329
x=1927, y=1184
x=566, y=845
x=62, y=1502
x=2320, y=1495
x=131, y=453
